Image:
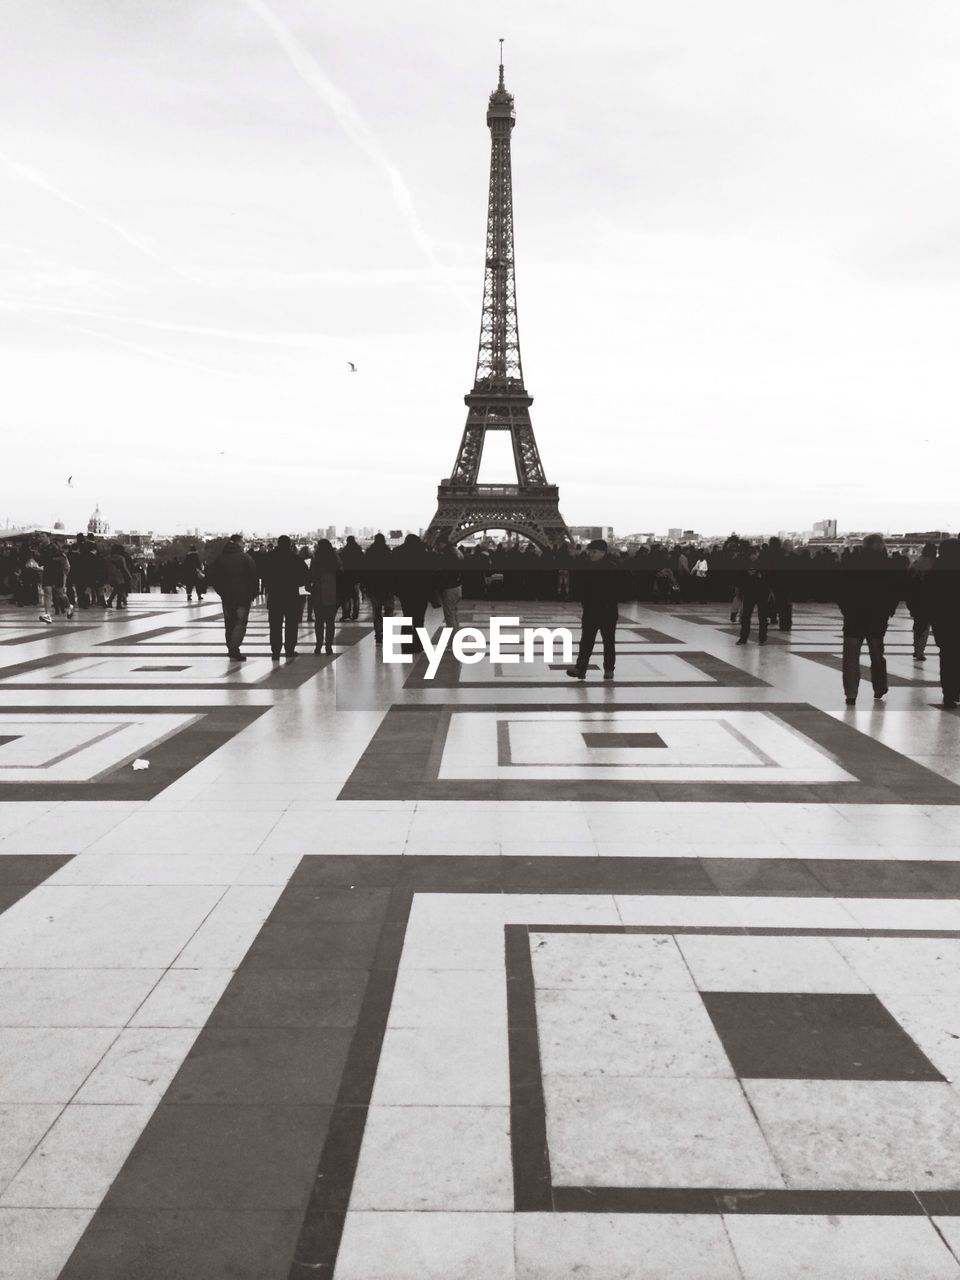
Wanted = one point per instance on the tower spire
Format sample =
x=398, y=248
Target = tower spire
x=499, y=399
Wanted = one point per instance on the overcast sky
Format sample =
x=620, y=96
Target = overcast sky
x=738, y=258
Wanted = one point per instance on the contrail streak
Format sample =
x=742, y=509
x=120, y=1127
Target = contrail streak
x=138, y=242
x=281, y=338
x=350, y=120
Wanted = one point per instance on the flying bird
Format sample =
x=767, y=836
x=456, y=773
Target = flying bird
x=353, y=367
x=69, y=482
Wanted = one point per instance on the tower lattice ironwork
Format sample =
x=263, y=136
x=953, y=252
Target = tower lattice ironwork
x=499, y=400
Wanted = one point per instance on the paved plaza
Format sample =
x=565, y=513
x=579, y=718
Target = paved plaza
x=320, y=968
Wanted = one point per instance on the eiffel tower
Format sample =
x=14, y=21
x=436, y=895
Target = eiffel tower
x=499, y=400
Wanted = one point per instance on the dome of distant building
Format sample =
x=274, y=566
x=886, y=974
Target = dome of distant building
x=97, y=525
x=58, y=524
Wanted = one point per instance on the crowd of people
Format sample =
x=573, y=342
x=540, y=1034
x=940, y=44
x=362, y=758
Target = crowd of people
x=761, y=580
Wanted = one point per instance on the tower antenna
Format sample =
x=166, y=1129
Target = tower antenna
x=501, y=63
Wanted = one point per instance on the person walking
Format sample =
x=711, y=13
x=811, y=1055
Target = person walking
x=233, y=575
x=868, y=595
x=193, y=578
x=351, y=560
x=415, y=577
x=599, y=584
x=942, y=607
x=119, y=577
x=54, y=569
x=916, y=596
x=450, y=582
x=283, y=575
x=699, y=574
x=324, y=593
x=754, y=590
x=379, y=585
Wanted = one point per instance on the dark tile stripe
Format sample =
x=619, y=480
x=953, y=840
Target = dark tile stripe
x=532, y=1182
x=714, y=1200
x=21, y=872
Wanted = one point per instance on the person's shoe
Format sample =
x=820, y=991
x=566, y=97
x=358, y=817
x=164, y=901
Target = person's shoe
x=733, y=617
x=291, y=655
x=45, y=617
x=741, y=642
x=235, y=655
x=877, y=697
x=328, y=648
x=274, y=657
x=576, y=674
x=608, y=675
x=763, y=641
x=919, y=657
x=69, y=610
x=851, y=702
x=950, y=704
x=318, y=648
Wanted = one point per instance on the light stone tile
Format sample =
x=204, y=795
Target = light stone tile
x=904, y=913
x=904, y=966
x=800, y=1247
x=631, y=1132
x=457, y=999
x=35, y=1243
x=604, y=962
x=790, y=913
x=622, y=1246
x=560, y=908
x=427, y=1246
x=21, y=1128
x=49, y=1064
x=757, y=963
x=103, y=926
x=183, y=998
x=676, y=909
x=435, y=1158
x=434, y=1066
x=78, y=1159
x=628, y=1033
x=138, y=1066
x=861, y=1134
x=73, y=997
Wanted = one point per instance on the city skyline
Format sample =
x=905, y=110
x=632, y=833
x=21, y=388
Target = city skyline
x=737, y=272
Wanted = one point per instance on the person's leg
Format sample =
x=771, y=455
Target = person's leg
x=329, y=622
x=878, y=665
x=275, y=618
x=291, y=628
x=46, y=603
x=450, y=598
x=419, y=615
x=852, y=646
x=376, y=611
x=317, y=609
x=785, y=610
x=746, y=617
x=948, y=642
x=589, y=626
x=608, y=631
x=229, y=624
x=921, y=633
x=763, y=621
x=241, y=614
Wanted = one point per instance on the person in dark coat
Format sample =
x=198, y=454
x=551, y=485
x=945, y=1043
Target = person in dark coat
x=351, y=561
x=284, y=573
x=868, y=595
x=324, y=590
x=193, y=578
x=233, y=575
x=600, y=584
x=378, y=583
x=414, y=573
x=753, y=589
x=941, y=591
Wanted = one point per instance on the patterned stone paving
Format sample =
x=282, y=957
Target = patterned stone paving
x=496, y=975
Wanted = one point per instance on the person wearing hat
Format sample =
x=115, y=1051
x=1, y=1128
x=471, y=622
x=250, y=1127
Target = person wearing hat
x=600, y=587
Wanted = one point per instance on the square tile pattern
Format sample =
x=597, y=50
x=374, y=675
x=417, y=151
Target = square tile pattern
x=476, y=1061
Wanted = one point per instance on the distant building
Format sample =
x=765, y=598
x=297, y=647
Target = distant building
x=674, y=534
x=97, y=525
x=587, y=532
x=825, y=529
